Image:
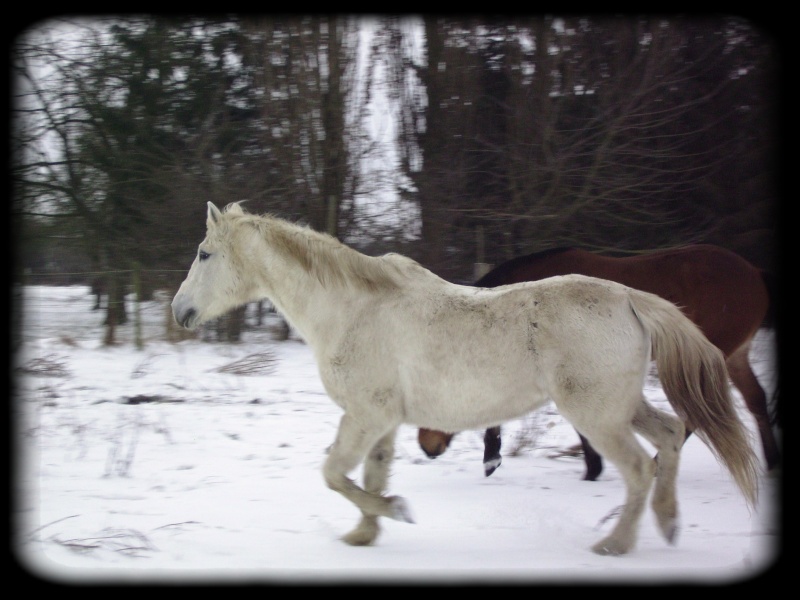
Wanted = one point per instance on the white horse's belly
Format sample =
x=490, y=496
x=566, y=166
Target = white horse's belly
x=469, y=411
x=472, y=391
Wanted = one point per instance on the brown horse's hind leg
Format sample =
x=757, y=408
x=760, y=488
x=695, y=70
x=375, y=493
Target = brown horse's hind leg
x=754, y=396
x=594, y=462
x=491, y=450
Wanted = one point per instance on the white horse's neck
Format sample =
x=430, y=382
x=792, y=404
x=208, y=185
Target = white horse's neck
x=309, y=306
x=311, y=284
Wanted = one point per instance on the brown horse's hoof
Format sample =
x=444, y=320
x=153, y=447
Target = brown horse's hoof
x=490, y=466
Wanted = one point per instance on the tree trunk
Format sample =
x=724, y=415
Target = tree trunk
x=333, y=158
x=434, y=224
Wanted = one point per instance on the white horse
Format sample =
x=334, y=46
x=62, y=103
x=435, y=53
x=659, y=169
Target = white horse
x=395, y=344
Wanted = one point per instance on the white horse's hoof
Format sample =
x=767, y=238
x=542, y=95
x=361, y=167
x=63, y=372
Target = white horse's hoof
x=365, y=534
x=400, y=510
x=610, y=547
x=669, y=529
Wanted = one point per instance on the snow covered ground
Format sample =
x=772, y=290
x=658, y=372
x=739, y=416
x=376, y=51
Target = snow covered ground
x=158, y=465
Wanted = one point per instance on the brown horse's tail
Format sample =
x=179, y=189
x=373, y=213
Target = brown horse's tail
x=695, y=380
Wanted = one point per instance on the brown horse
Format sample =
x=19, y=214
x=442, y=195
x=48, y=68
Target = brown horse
x=726, y=296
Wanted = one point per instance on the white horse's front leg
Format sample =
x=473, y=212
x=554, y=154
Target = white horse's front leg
x=351, y=445
x=376, y=475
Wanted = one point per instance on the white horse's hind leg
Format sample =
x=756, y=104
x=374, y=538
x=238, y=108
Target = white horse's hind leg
x=351, y=445
x=667, y=433
x=637, y=469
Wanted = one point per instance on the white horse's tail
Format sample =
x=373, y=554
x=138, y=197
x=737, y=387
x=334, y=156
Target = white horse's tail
x=695, y=380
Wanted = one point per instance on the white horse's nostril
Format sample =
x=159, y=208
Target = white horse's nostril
x=185, y=319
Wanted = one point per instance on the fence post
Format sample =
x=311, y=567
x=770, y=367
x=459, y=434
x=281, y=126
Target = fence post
x=137, y=306
x=111, y=312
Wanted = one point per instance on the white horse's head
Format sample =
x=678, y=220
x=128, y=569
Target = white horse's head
x=216, y=282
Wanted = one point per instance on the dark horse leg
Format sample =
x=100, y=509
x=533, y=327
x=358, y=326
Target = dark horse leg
x=492, y=458
x=755, y=398
x=434, y=443
x=491, y=450
x=594, y=462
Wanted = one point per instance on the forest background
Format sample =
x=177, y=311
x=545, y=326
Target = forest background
x=459, y=141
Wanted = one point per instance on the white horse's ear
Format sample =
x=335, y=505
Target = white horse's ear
x=214, y=215
x=234, y=208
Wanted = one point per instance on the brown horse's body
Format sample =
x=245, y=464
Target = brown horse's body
x=722, y=293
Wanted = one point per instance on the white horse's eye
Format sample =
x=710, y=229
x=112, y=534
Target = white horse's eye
x=202, y=255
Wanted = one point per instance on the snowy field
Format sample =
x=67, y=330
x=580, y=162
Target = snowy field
x=176, y=463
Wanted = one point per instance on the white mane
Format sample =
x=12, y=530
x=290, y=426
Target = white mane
x=323, y=256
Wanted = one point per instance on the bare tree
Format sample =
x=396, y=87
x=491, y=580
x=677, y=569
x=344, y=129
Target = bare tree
x=612, y=134
x=140, y=111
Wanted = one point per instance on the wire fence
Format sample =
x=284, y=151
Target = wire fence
x=47, y=309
